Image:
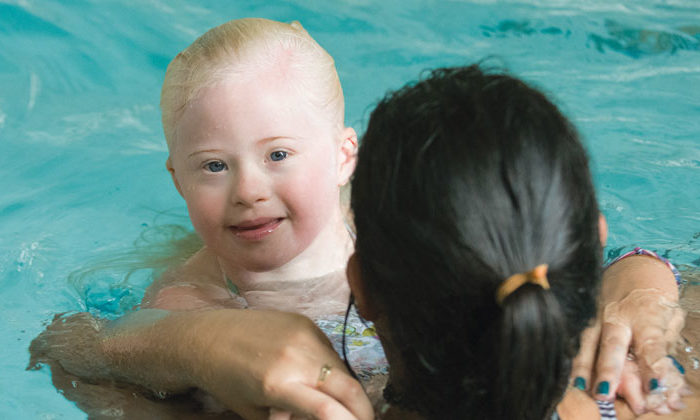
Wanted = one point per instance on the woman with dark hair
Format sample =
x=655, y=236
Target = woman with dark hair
x=479, y=247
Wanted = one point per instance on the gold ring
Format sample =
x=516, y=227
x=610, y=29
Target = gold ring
x=323, y=375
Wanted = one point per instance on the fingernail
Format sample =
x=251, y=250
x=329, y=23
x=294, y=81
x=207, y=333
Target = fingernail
x=653, y=384
x=603, y=388
x=677, y=365
x=580, y=383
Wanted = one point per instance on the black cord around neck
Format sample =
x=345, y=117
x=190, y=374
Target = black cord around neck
x=345, y=326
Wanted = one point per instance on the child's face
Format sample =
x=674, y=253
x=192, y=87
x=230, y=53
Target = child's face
x=260, y=171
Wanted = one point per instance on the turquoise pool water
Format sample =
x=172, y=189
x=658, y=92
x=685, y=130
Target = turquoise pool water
x=82, y=153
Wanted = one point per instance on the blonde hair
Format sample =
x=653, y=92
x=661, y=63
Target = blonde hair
x=158, y=249
x=239, y=47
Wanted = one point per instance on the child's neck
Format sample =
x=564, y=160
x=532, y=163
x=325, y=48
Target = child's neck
x=313, y=283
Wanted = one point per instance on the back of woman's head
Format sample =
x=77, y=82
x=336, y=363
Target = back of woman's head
x=463, y=180
x=244, y=47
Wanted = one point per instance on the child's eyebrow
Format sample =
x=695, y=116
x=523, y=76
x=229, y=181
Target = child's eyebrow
x=203, y=151
x=261, y=141
x=273, y=138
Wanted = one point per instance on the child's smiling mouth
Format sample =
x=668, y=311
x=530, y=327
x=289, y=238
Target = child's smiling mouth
x=256, y=229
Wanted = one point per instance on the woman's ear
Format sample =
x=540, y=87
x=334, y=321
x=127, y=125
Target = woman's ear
x=364, y=303
x=602, y=230
x=347, y=155
x=171, y=169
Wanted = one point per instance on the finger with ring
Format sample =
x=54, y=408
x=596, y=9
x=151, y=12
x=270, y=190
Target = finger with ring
x=323, y=375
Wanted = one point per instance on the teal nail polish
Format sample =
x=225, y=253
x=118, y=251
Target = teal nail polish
x=653, y=384
x=677, y=365
x=580, y=383
x=603, y=388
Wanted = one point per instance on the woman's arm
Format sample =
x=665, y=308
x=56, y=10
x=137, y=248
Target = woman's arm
x=639, y=319
x=249, y=360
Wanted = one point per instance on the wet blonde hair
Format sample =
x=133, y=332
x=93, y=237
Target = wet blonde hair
x=243, y=46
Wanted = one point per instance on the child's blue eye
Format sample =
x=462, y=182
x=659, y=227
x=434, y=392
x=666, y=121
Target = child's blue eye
x=278, y=155
x=216, y=166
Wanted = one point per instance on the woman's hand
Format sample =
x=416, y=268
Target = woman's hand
x=259, y=363
x=638, y=324
x=73, y=343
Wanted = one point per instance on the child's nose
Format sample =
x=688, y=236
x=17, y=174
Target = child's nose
x=251, y=186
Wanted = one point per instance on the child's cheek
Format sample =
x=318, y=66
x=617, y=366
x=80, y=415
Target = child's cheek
x=206, y=211
x=312, y=193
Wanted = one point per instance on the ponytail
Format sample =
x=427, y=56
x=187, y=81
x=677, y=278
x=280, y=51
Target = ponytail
x=533, y=362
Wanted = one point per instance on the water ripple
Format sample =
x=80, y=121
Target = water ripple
x=639, y=42
x=520, y=28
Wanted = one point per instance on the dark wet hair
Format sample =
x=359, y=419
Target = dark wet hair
x=463, y=179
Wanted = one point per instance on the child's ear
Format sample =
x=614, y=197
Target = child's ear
x=169, y=166
x=347, y=156
x=363, y=301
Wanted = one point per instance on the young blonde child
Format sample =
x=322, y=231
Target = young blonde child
x=253, y=115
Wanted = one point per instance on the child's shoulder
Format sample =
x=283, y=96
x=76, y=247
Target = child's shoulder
x=202, y=268
x=196, y=284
